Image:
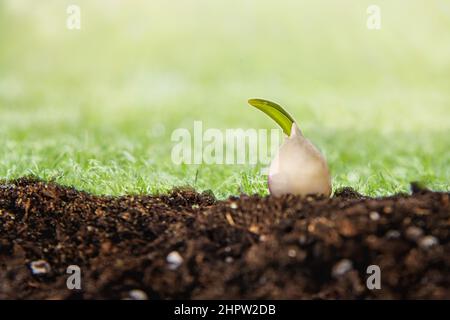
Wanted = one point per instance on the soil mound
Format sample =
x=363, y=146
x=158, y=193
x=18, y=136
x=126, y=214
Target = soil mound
x=187, y=245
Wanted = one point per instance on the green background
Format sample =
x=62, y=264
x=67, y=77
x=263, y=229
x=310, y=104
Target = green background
x=95, y=108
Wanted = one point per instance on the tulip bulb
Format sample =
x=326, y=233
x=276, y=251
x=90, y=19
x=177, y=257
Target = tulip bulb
x=298, y=168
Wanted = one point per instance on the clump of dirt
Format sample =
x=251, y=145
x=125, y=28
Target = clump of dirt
x=186, y=245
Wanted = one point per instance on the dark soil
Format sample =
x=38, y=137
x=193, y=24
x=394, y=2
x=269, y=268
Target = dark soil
x=187, y=245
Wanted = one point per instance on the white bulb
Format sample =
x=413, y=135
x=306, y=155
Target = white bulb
x=299, y=168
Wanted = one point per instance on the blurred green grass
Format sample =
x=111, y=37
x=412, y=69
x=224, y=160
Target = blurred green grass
x=95, y=108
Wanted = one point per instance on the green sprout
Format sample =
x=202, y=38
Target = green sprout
x=276, y=112
x=298, y=168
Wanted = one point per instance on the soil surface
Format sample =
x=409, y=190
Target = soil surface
x=186, y=245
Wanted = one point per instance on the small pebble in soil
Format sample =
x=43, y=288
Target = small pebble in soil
x=413, y=233
x=174, y=260
x=137, y=294
x=341, y=268
x=388, y=210
x=374, y=216
x=427, y=242
x=393, y=234
x=229, y=259
x=125, y=216
x=292, y=253
x=40, y=267
x=233, y=205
